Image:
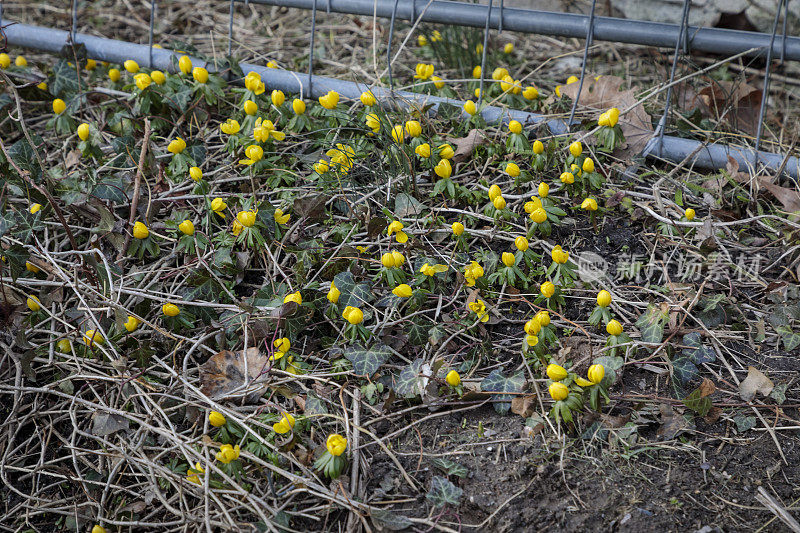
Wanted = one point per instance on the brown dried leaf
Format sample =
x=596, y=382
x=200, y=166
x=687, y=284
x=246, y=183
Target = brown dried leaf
x=605, y=93
x=464, y=146
x=755, y=382
x=523, y=406
x=311, y=206
x=672, y=423
x=238, y=374
x=707, y=388
x=789, y=198
x=736, y=103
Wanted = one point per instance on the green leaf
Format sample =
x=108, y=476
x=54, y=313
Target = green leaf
x=389, y=520
x=413, y=379
x=610, y=365
x=367, y=361
x=497, y=382
x=24, y=156
x=16, y=256
x=779, y=393
x=27, y=225
x=315, y=405
x=406, y=206
x=65, y=80
x=790, y=339
x=112, y=188
x=7, y=221
x=651, y=325
x=697, y=402
x=744, y=422
x=697, y=352
x=355, y=294
x=449, y=467
x=196, y=152
x=443, y=492
x=684, y=369
x=418, y=331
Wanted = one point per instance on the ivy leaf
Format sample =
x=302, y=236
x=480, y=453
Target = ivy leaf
x=610, y=365
x=197, y=152
x=697, y=352
x=779, y=393
x=497, y=382
x=16, y=256
x=449, y=467
x=651, y=325
x=112, y=188
x=697, y=402
x=24, y=156
x=684, y=369
x=315, y=405
x=389, y=520
x=790, y=339
x=352, y=293
x=744, y=422
x=443, y=492
x=413, y=379
x=418, y=331
x=27, y=225
x=65, y=80
x=406, y=206
x=367, y=361
x=7, y=221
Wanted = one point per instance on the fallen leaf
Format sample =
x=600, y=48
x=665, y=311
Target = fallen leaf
x=311, y=206
x=707, y=388
x=713, y=415
x=789, y=198
x=464, y=146
x=604, y=93
x=672, y=423
x=104, y=424
x=738, y=104
x=239, y=373
x=523, y=406
x=755, y=382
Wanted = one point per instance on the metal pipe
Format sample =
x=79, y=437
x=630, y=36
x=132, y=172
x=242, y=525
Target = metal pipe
x=675, y=149
x=647, y=33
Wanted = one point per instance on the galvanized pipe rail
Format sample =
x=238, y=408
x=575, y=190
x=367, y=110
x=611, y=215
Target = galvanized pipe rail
x=676, y=149
x=647, y=33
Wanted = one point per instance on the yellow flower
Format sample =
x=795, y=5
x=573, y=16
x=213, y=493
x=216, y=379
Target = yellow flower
x=532, y=326
x=228, y=453
x=604, y=298
x=284, y=425
x=559, y=255
x=567, y=178
x=576, y=149
x=422, y=40
x=272, y=64
x=596, y=373
x=397, y=134
x=532, y=205
x=458, y=228
x=499, y=73
x=472, y=272
x=131, y=324
x=476, y=72
x=142, y=81
x=20, y=61
x=515, y=126
x=494, y=191
x=83, y=131
x=402, y=291
x=543, y=317
x=470, y=107
x=33, y=303
x=354, y=315
x=479, y=308
x=98, y=529
x=499, y=203
x=530, y=93
x=453, y=379
x=479, y=49
x=278, y=98
x=186, y=227
x=588, y=165
x=399, y=260
x=423, y=71
x=170, y=309
x=477, y=92
x=547, y=289
x=200, y=75
x=42, y=86
x=508, y=259
x=330, y=100
x=92, y=337
x=543, y=190
x=432, y=270
x=539, y=215
x=192, y=476
x=558, y=391
x=387, y=260
x=423, y=150
x=446, y=151
x=508, y=48
x=280, y=217
x=254, y=154
x=114, y=74
x=35, y=208
x=64, y=346
x=609, y=118
x=443, y=169
x=295, y=297
x=176, y=146
x=572, y=79
x=690, y=214
x=507, y=83
x=556, y=372
x=367, y=98
x=373, y=122
x=185, y=64
x=253, y=83
x=140, y=230
x=336, y=444
x=437, y=82
x=59, y=106
x=333, y=293
x=218, y=206
x=195, y=173
x=5, y=60
x=236, y=228
x=231, y=126
x=512, y=169
x=589, y=204
x=298, y=106
x=216, y=419
x=538, y=147
x=246, y=218
x=413, y=128
x=521, y=243
x=131, y=66
x=614, y=328
x=158, y=77
x=250, y=108
x=394, y=227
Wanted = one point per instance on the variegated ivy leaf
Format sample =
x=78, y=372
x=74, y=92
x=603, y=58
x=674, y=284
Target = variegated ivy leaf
x=497, y=382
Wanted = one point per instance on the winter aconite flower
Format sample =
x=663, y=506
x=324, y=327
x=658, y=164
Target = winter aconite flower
x=367, y=98
x=479, y=308
x=397, y=134
x=588, y=165
x=298, y=106
x=228, y=453
x=176, y=146
x=140, y=230
x=558, y=391
x=92, y=337
x=689, y=214
x=431, y=270
x=83, y=131
x=402, y=291
x=576, y=149
x=596, y=373
x=158, y=77
x=64, y=346
x=472, y=272
x=543, y=190
x=195, y=173
x=131, y=66
x=508, y=259
x=530, y=93
x=254, y=154
x=567, y=178
x=453, y=379
x=521, y=243
x=396, y=227
x=539, y=215
x=499, y=203
x=231, y=126
x=200, y=74
x=538, y=147
x=604, y=298
x=413, y=128
x=499, y=73
x=33, y=303
x=470, y=107
x=34, y=208
x=589, y=204
x=114, y=74
x=186, y=227
x=512, y=169
x=547, y=289
x=443, y=169
x=353, y=315
x=246, y=218
x=458, y=228
x=336, y=444
x=59, y=106
x=423, y=150
x=253, y=83
x=216, y=419
x=559, y=255
x=170, y=310
x=423, y=71
x=556, y=372
x=131, y=324
x=284, y=425
x=609, y=118
x=373, y=122
x=543, y=317
x=476, y=72
x=446, y=151
x=5, y=60
x=185, y=64
x=515, y=127
x=295, y=297
x=330, y=100
x=333, y=294
x=193, y=475
x=614, y=328
x=508, y=48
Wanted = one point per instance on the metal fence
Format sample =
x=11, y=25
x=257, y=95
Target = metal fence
x=682, y=38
